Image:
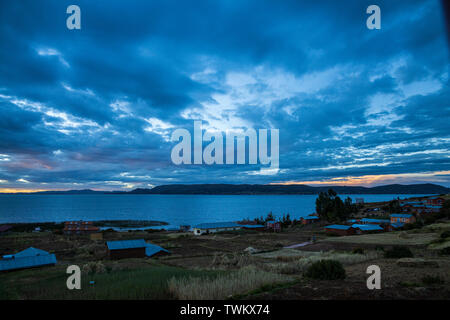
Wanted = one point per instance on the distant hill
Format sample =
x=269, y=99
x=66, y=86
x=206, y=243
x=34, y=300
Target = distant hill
x=236, y=189
x=290, y=189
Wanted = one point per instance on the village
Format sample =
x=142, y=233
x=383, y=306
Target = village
x=269, y=253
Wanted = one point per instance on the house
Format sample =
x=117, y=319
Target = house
x=402, y=217
x=30, y=252
x=126, y=249
x=205, y=228
x=258, y=227
x=374, y=221
x=408, y=206
x=341, y=230
x=367, y=228
x=309, y=219
x=152, y=250
x=138, y=248
x=79, y=227
x=395, y=226
x=185, y=228
x=28, y=258
x=78, y=223
x=273, y=225
x=422, y=208
x=435, y=201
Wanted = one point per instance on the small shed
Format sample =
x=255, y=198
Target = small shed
x=395, y=226
x=152, y=250
x=126, y=249
x=309, y=219
x=273, y=225
x=338, y=229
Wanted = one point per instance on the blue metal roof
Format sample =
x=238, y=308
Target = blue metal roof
x=367, y=227
x=401, y=215
x=126, y=244
x=337, y=226
x=250, y=226
x=397, y=225
x=216, y=225
x=30, y=252
x=27, y=262
x=153, y=249
x=311, y=218
x=375, y=220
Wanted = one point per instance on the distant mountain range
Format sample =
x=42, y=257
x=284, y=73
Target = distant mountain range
x=258, y=189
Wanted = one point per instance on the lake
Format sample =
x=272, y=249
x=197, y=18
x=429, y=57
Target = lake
x=173, y=209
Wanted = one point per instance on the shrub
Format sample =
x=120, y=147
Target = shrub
x=94, y=268
x=326, y=270
x=379, y=248
x=432, y=280
x=445, y=251
x=398, y=252
x=358, y=251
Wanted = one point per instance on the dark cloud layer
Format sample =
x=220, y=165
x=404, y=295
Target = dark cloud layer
x=96, y=107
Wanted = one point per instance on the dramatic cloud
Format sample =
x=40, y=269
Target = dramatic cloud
x=96, y=107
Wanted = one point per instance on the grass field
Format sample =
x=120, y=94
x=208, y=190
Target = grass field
x=149, y=282
x=387, y=238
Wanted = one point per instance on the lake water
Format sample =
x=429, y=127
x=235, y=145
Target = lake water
x=173, y=209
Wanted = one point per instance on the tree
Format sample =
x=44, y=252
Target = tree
x=286, y=220
x=393, y=206
x=329, y=206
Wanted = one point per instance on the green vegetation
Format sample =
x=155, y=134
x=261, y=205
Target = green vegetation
x=393, y=206
x=409, y=284
x=326, y=270
x=288, y=263
x=222, y=287
x=358, y=251
x=329, y=206
x=445, y=210
x=387, y=238
x=445, y=234
x=445, y=251
x=147, y=282
x=398, y=252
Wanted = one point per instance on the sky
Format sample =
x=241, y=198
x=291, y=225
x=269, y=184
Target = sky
x=96, y=107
